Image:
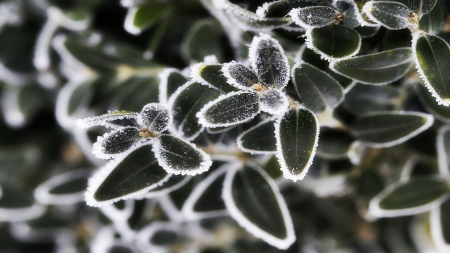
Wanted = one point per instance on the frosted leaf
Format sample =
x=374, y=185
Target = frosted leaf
x=391, y=15
x=349, y=9
x=273, y=102
x=155, y=117
x=118, y=141
x=239, y=75
x=211, y=76
x=269, y=61
x=259, y=139
x=177, y=156
x=315, y=16
x=171, y=79
x=102, y=120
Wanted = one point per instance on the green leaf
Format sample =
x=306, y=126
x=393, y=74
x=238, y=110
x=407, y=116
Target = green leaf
x=317, y=90
x=334, y=42
x=391, y=15
x=297, y=134
x=201, y=40
x=432, y=22
x=350, y=11
x=387, y=129
x=315, y=16
x=253, y=199
x=154, y=117
x=367, y=98
x=140, y=18
x=420, y=7
x=269, y=61
x=411, y=197
x=171, y=80
x=103, y=120
x=240, y=76
x=118, y=141
x=273, y=102
x=230, y=109
x=443, y=150
x=211, y=75
x=379, y=68
x=259, y=139
x=185, y=104
x=430, y=104
x=177, y=156
x=281, y=8
x=130, y=175
x=440, y=226
x=432, y=56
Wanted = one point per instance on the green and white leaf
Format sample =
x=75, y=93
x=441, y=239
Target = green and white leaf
x=350, y=11
x=440, y=226
x=432, y=56
x=184, y=104
x=253, y=199
x=392, y=15
x=129, y=176
x=155, y=117
x=177, y=156
x=102, y=120
x=387, y=129
x=274, y=102
x=201, y=40
x=297, y=134
x=420, y=7
x=140, y=18
x=430, y=104
x=269, y=61
x=240, y=76
x=230, y=109
x=281, y=8
x=411, y=197
x=113, y=143
x=367, y=31
x=433, y=21
x=333, y=42
x=211, y=75
x=64, y=189
x=317, y=90
x=171, y=80
x=378, y=68
x=314, y=16
x=259, y=139
x=443, y=150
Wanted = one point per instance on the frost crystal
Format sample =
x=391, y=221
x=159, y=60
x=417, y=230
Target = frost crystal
x=155, y=117
x=102, y=120
x=274, y=102
x=116, y=142
x=239, y=76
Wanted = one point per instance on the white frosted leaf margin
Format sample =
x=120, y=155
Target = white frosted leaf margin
x=98, y=149
x=195, y=70
x=436, y=230
x=296, y=13
x=251, y=151
x=163, y=97
x=226, y=72
x=283, y=104
x=248, y=225
x=102, y=120
x=21, y=214
x=165, y=191
x=443, y=156
x=128, y=24
x=368, y=7
x=97, y=179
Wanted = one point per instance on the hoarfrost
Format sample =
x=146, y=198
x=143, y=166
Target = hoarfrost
x=392, y=15
x=102, y=120
x=155, y=117
x=239, y=76
x=274, y=102
x=115, y=142
x=314, y=17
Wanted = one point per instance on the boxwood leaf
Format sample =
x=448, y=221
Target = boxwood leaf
x=333, y=42
x=177, y=156
x=297, y=134
x=140, y=18
x=440, y=226
x=411, y=197
x=211, y=75
x=420, y=7
x=367, y=31
x=432, y=56
x=130, y=175
x=432, y=22
x=240, y=76
x=102, y=120
x=259, y=139
x=443, y=150
x=281, y=8
x=314, y=16
x=185, y=103
x=118, y=141
x=387, y=129
x=171, y=79
x=430, y=104
x=269, y=61
x=350, y=12
x=230, y=109
x=392, y=15
x=155, y=117
x=379, y=68
x=253, y=199
x=273, y=102
x=316, y=89
x=201, y=40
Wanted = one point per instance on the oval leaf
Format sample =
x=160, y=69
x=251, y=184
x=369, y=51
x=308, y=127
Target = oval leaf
x=387, y=129
x=273, y=102
x=201, y=40
x=171, y=80
x=103, y=120
x=316, y=89
x=254, y=201
x=432, y=22
x=379, y=68
x=432, y=56
x=118, y=141
x=177, y=156
x=230, y=109
x=211, y=75
x=315, y=16
x=440, y=226
x=411, y=197
x=443, y=150
x=140, y=18
x=297, y=134
x=155, y=117
x=389, y=14
x=430, y=104
x=259, y=139
x=240, y=76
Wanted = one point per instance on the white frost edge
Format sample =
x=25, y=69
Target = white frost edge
x=436, y=230
x=419, y=230
x=97, y=148
x=367, y=9
x=144, y=235
x=338, y=102
x=252, y=55
x=197, y=78
x=157, y=106
x=188, y=206
x=101, y=120
x=262, y=10
x=429, y=121
x=244, y=222
x=204, y=165
x=251, y=151
x=332, y=63
x=427, y=107
x=97, y=179
x=12, y=114
x=162, y=88
x=358, y=15
x=202, y=120
x=281, y=109
x=21, y=213
x=295, y=13
x=170, y=209
x=230, y=80
x=286, y=173
x=128, y=23
x=375, y=210
x=62, y=104
x=422, y=75
x=177, y=131
x=165, y=191
x=442, y=154
x=42, y=192
x=407, y=169
x=218, y=130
